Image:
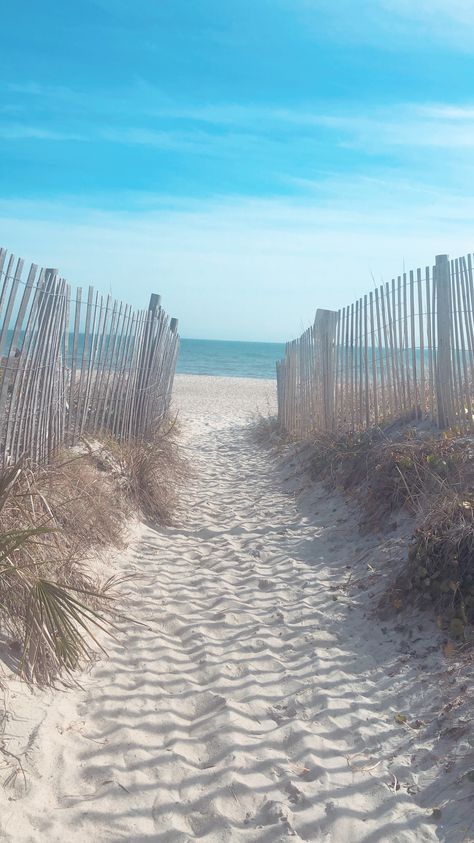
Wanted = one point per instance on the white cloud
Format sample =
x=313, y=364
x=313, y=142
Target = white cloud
x=429, y=125
x=142, y=116
x=390, y=24
x=410, y=126
x=20, y=131
x=435, y=13
x=239, y=268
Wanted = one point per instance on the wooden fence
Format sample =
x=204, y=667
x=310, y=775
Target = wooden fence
x=74, y=363
x=404, y=350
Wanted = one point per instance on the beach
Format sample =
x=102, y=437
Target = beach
x=251, y=696
x=228, y=400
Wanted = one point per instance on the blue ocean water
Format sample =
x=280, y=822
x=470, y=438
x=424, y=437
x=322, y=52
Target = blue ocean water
x=207, y=357
x=229, y=359
x=232, y=359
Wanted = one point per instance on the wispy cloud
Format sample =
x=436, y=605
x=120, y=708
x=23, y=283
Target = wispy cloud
x=441, y=126
x=21, y=131
x=137, y=136
x=142, y=116
x=391, y=24
x=435, y=13
x=285, y=257
x=430, y=125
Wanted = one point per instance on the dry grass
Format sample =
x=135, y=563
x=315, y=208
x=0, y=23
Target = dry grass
x=432, y=476
x=153, y=473
x=53, y=522
x=386, y=470
x=266, y=430
x=440, y=566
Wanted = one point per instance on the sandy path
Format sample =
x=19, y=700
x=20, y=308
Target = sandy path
x=242, y=708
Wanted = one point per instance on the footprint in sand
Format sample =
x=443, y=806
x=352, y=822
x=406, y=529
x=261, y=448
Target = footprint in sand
x=230, y=721
x=266, y=585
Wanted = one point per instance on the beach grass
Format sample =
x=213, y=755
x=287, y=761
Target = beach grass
x=428, y=474
x=56, y=521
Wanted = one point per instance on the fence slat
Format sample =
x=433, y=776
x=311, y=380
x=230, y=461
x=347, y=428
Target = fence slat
x=416, y=401
x=85, y=368
x=73, y=366
x=405, y=350
x=444, y=372
x=373, y=350
x=366, y=366
x=57, y=382
x=421, y=343
x=9, y=373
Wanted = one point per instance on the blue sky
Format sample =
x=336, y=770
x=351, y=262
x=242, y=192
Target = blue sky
x=250, y=160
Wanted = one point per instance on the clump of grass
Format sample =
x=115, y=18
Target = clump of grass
x=49, y=605
x=388, y=469
x=366, y=465
x=86, y=501
x=343, y=459
x=266, y=430
x=440, y=566
x=431, y=475
x=152, y=473
x=53, y=521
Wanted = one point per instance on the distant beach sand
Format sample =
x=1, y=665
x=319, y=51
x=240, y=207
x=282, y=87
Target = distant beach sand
x=257, y=700
x=223, y=398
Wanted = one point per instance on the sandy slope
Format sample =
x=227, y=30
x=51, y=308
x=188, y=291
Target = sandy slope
x=250, y=705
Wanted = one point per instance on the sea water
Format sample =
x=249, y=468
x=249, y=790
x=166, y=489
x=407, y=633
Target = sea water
x=233, y=359
x=203, y=357
x=229, y=359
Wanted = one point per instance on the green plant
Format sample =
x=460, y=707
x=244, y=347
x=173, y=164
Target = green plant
x=55, y=621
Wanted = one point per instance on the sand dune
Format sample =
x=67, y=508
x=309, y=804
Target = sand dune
x=250, y=705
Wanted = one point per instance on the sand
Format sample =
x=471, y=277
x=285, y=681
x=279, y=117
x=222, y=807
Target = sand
x=257, y=700
x=223, y=400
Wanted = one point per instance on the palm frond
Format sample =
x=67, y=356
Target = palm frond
x=59, y=629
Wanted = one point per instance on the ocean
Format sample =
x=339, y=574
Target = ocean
x=229, y=359
x=209, y=357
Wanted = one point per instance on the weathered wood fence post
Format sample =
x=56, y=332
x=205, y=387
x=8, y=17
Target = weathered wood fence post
x=444, y=371
x=325, y=350
x=144, y=374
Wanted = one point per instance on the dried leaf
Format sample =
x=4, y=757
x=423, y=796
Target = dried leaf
x=400, y=718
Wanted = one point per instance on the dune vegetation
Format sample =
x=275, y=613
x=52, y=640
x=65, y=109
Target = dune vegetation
x=55, y=521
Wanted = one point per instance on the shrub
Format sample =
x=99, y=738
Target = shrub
x=48, y=602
